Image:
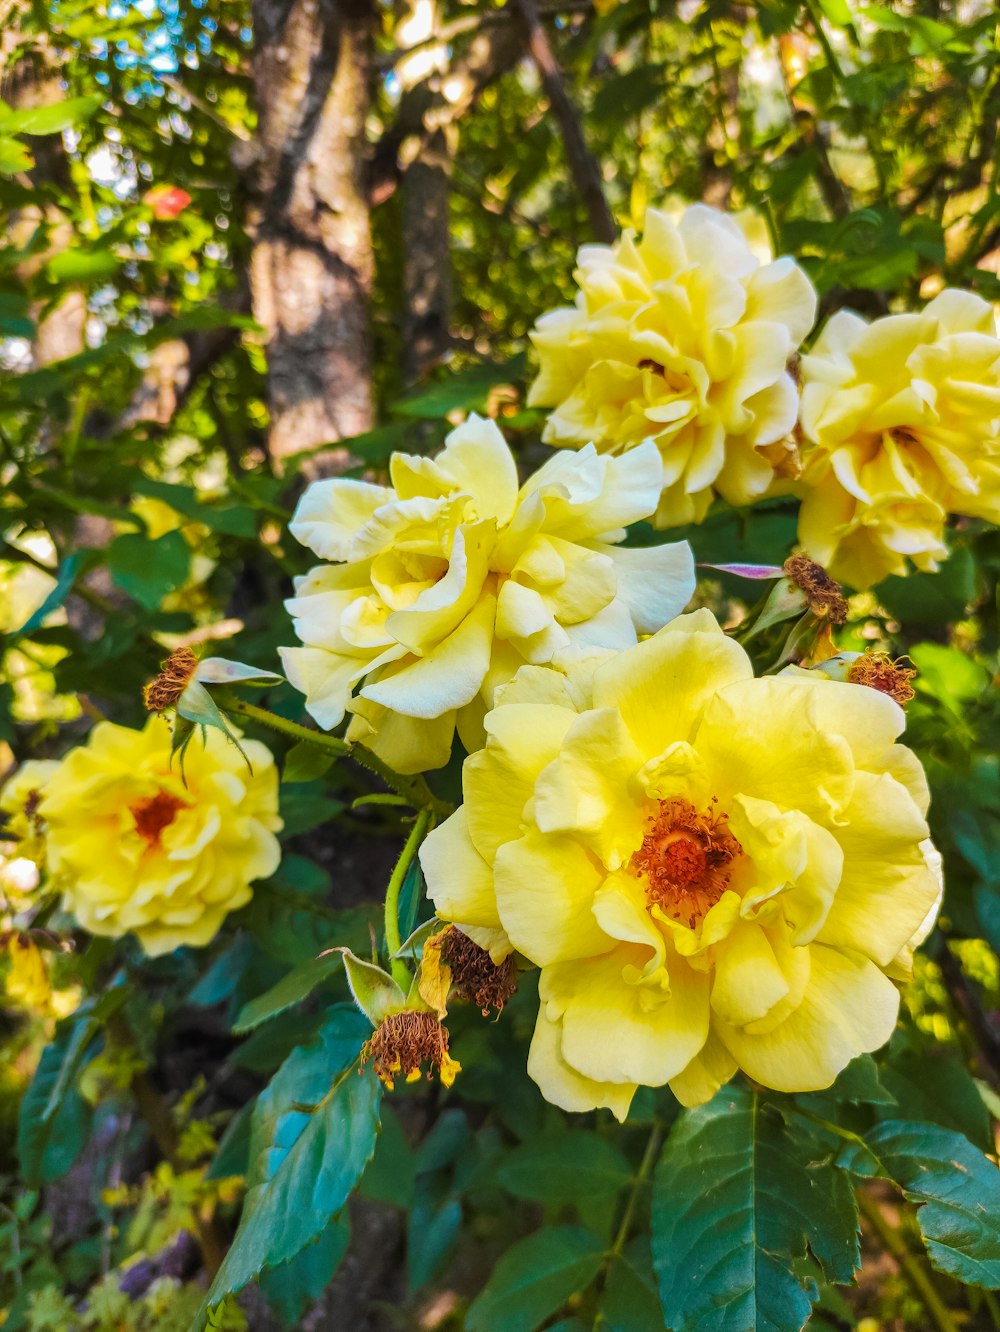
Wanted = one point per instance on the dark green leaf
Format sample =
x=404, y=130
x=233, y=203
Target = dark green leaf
x=303, y=1162
x=43, y=1118
x=148, y=570
x=305, y=762
x=955, y=1188
x=292, y=1287
x=535, y=1278
x=739, y=1201
x=64, y=581
x=568, y=1166
x=291, y=989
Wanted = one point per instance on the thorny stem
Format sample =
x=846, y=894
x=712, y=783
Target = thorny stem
x=912, y=1268
x=413, y=789
x=393, y=942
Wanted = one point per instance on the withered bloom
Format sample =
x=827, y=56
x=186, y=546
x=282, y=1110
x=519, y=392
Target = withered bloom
x=403, y=1042
x=878, y=671
x=176, y=674
x=825, y=598
x=475, y=977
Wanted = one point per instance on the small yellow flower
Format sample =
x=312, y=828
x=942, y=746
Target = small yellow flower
x=451, y=579
x=902, y=423
x=712, y=871
x=28, y=978
x=134, y=847
x=683, y=337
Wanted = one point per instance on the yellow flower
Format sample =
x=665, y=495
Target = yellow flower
x=450, y=580
x=20, y=799
x=902, y=420
x=712, y=871
x=683, y=337
x=27, y=980
x=134, y=848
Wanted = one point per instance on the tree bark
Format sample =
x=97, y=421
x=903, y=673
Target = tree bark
x=311, y=270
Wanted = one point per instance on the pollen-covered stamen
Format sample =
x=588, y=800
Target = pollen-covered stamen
x=475, y=977
x=177, y=673
x=155, y=813
x=403, y=1042
x=686, y=860
x=878, y=671
x=825, y=598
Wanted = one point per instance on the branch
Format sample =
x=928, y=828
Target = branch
x=583, y=165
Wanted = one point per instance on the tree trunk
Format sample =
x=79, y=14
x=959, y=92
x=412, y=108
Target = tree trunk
x=311, y=271
x=425, y=196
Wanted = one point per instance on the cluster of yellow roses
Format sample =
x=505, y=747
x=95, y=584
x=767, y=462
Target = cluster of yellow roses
x=685, y=337
x=711, y=871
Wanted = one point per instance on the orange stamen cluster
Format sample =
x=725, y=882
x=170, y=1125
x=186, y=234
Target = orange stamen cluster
x=686, y=860
x=475, y=977
x=826, y=600
x=155, y=813
x=878, y=671
x=175, y=676
x=402, y=1042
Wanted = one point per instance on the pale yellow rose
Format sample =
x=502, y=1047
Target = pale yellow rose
x=683, y=337
x=901, y=418
x=134, y=847
x=453, y=577
x=712, y=871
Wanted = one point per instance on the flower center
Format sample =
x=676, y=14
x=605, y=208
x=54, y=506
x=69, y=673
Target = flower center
x=155, y=813
x=686, y=860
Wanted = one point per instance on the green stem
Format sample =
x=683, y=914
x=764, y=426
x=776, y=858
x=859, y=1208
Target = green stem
x=625, y=1225
x=920, y=1282
x=413, y=789
x=393, y=942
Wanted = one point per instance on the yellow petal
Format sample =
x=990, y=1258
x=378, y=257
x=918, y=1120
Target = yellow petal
x=849, y=1008
x=662, y=686
x=562, y=1085
x=615, y=1031
x=545, y=890
x=459, y=881
x=709, y=1070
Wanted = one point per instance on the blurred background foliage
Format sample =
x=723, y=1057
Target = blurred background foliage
x=152, y=446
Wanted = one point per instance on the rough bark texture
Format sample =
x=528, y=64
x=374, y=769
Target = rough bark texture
x=425, y=195
x=311, y=271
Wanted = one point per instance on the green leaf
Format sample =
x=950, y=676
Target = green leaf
x=947, y=674
x=304, y=1162
x=932, y=598
x=64, y=582
x=567, y=1166
x=148, y=570
x=51, y=119
x=231, y=519
x=292, y=1287
x=14, y=157
x=629, y=1302
x=15, y=316
x=467, y=390
x=390, y=1176
x=535, y=1278
x=739, y=1201
x=955, y=1188
x=82, y=265
x=47, y=1112
x=305, y=762
x=291, y=989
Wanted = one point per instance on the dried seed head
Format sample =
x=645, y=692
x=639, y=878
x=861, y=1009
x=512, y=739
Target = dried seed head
x=175, y=676
x=825, y=598
x=878, y=671
x=403, y=1042
x=475, y=977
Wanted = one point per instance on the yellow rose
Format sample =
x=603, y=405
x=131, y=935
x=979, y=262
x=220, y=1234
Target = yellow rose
x=712, y=871
x=683, y=337
x=134, y=848
x=451, y=579
x=902, y=420
x=20, y=798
